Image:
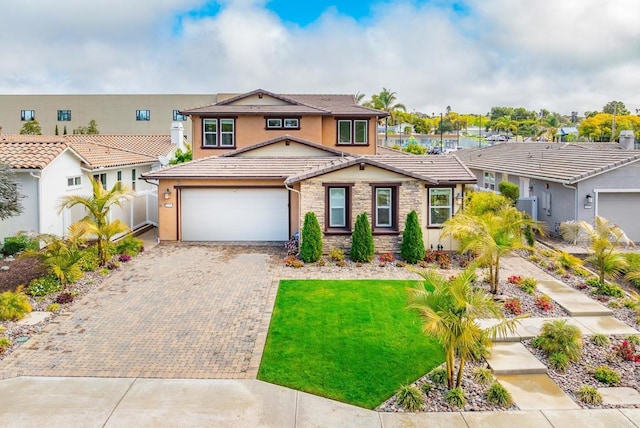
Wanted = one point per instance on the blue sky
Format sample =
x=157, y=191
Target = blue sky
x=561, y=55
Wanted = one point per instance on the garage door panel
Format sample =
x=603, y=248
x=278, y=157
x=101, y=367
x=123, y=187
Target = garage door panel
x=235, y=214
x=622, y=210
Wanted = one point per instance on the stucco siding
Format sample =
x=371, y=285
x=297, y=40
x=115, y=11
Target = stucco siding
x=28, y=219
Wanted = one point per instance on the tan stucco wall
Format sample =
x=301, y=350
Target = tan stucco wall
x=281, y=149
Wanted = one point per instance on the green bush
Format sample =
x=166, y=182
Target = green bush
x=14, y=305
x=412, y=248
x=43, y=286
x=509, y=190
x=483, y=376
x=633, y=338
x=409, y=397
x=529, y=285
x=589, y=395
x=17, y=243
x=581, y=272
x=455, y=397
x=593, y=282
x=88, y=261
x=426, y=387
x=129, y=245
x=559, y=361
x=606, y=375
x=438, y=376
x=311, y=246
x=559, y=337
x=5, y=344
x=336, y=255
x=600, y=340
x=362, y=248
x=53, y=307
x=568, y=261
x=610, y=290
x=498, y=395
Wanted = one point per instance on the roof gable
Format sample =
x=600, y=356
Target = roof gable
x=299, y=148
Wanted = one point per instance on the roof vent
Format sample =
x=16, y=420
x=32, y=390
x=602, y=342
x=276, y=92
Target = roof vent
x=627, y=140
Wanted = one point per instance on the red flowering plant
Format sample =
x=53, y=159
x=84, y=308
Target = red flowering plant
x=386, y=258
x=627, y=351
x=515, y=279
x=544, y=302
x=513, y=305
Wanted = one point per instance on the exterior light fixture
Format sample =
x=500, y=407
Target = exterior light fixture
x=459, y=198
x=167, y=194
x=588, y=201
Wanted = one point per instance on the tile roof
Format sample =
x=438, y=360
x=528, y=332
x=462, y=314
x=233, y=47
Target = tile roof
x=309, y=104
x=285, y=137
x=558, y=162
x=96, y=151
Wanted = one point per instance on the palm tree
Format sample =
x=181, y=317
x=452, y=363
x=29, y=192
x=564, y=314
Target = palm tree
x=359, y=97
x=491, y=235
x=98, y=205
x=386, y=101
x=603, y=238
x=449, y=309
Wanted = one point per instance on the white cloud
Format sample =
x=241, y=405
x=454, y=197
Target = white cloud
x=561, y=55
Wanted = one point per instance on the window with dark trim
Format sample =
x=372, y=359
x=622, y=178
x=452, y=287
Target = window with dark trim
x=64, y=115
x=282, y=122
x=143, y=115
x=440, y=205
x=27, y=115
x=385, y=207
x=338, y=208
x=353, y=131
x=119, y=176
x=179, y=117
x=218, y=133
x=133, y=179
x=102, y=178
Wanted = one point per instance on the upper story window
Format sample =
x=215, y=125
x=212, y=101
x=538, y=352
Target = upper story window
x=179, y=117
x=353, y=131
x=385, y=208
x=218, y=132
x=27, y=115
x=64, y=115
x=489, y=180
x=74, y=181
x=282, y=123
x=143, y=115
x=440, y=206
x=102, y=178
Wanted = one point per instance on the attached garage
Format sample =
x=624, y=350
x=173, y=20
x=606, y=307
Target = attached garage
x=621, y=209
x=234, y=214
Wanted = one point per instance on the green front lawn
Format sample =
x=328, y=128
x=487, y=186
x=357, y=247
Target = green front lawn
x=351, y=340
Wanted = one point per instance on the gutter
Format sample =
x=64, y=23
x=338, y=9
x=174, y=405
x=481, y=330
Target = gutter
x=39, y=196
x=291, y=189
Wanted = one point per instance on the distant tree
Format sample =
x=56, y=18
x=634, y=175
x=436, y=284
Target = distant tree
x=386, y=101
x=32, y=127
x=56, y=131
x=362, y=247
x=64, y=130
x=9, y=196
x=359, y=97
x=311, y=246
x=182, y=157
x=92, y=128
x=616, y=106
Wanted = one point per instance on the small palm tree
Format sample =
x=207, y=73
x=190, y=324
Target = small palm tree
x=98, y=205
x=603, y=239
x=449, y=309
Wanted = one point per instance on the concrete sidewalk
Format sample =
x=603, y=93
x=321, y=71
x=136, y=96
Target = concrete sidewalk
x=108, y=402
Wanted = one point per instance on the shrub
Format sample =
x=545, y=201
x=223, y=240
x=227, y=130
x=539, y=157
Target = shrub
x=606, y=375
x=498, y=395
x=64, y=298
x=509, y=190
x=362, y=248
x=627, y=351
x=589, y=395
x=456, y=398
x=5, y=343
x=336, y=254
x=19, y=242
x=124, y=257
x=438, y=376
x=610, y=290
x=438, y=257
x=129, y=245
x=568, y=261
x=593, y=281
x=409, y=397
x=112, y=265
x=292, y=261
x=482, y=375
x=559, y=361
x=311, y=246
x=581, y=272
x=400, y=264
x=513, y=305
x=544, y=302
x=559, y=337
x=341, y=263
x=633, y=339
x=515, y=279
x=53, y=307
x=412, y=248
x=386, y=258
x=426, y=387
x=88, y=261
x=529, y=285
x=600, y=340
x=321, y=263
x=14, y=305
x=43, y=286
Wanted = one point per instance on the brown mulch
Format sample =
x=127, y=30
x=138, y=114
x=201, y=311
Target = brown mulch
x=21, y=271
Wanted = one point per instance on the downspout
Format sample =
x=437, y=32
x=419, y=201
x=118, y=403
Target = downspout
x=39, y=204
x=291, y=189
x=575, y=203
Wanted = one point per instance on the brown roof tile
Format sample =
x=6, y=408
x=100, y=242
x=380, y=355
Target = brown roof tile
x=29, y=154
x=285, y=137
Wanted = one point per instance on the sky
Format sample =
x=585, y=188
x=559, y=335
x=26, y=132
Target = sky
x=559, y=55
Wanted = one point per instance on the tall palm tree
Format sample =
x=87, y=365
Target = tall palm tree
x=359, y=98
x=449, y=309
x=491, y=235
x=98, y=205
x=386, y=101
x=603, y=238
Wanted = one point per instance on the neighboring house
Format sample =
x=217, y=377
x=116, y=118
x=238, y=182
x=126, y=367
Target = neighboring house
x=567, y=132
x=566, y=181
x=51, y=167
x=132, y=114
x=262, y=160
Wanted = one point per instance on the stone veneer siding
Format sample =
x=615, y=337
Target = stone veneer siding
x=411, y=197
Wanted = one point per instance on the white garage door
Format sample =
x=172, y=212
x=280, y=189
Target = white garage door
x=621, y=209
x=235, y=214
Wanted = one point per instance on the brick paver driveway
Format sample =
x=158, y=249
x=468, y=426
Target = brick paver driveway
x=177, y=311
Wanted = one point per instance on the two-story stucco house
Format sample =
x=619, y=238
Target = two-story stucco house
x=262, y=160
